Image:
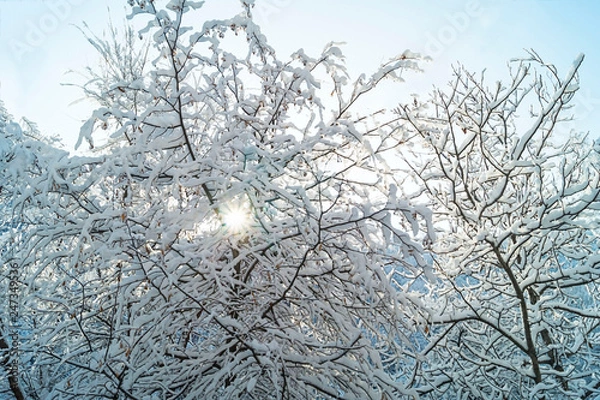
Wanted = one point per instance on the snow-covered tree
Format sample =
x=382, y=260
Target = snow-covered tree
x=243, y=228
x=239, y=233
x=11, y=136
x=27, y=161
x=513, y=311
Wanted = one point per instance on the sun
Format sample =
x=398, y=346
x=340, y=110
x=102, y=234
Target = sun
x=236, y=218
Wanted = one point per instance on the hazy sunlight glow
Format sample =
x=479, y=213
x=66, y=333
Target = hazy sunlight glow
x=235, y=218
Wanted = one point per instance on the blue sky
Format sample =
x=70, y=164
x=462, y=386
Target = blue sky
x=39, y=43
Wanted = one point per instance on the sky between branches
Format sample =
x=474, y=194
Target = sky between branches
x=40, y=42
